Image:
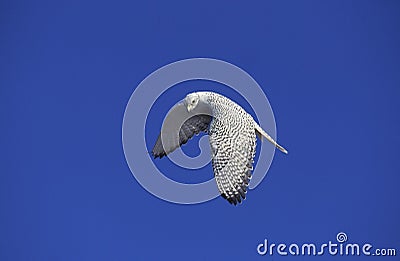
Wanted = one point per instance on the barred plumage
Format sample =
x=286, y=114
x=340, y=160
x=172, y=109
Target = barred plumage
x=232, y=133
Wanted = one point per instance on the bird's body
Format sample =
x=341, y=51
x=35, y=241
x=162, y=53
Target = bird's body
x=232, y=134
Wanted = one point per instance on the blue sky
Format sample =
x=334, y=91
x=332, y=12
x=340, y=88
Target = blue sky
x=329, y=68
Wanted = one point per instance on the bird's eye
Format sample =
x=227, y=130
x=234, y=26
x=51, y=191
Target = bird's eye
x=193, y=101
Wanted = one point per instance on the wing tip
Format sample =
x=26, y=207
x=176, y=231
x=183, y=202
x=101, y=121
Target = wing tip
x=235, y=200
x=157, y=154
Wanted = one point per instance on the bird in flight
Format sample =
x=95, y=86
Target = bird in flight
x=232, y=136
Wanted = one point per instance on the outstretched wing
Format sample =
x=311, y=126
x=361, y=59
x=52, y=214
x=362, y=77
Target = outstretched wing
x=233, y=146
x=178, y=127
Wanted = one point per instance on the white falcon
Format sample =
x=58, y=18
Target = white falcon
x=232, y=138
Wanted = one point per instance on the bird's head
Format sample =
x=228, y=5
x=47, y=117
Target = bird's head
x=191, y=101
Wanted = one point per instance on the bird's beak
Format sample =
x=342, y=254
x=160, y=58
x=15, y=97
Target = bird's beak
x=189, y=107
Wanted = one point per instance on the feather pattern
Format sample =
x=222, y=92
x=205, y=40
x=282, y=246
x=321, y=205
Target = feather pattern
x=233, y=133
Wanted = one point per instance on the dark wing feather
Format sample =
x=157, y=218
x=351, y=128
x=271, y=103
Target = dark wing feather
x=178, y=127
x=233, y=149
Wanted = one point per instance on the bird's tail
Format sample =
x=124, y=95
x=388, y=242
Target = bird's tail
x=261, y=133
